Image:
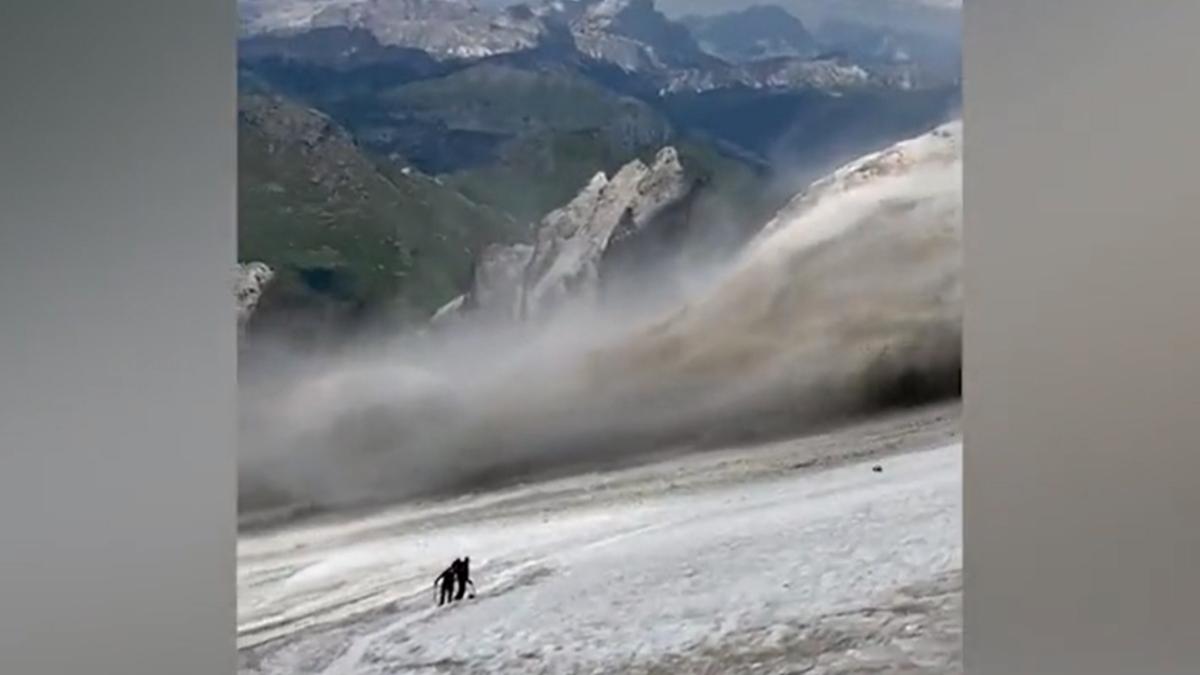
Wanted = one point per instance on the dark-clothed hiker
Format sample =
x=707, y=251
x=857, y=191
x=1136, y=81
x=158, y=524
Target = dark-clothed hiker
x=445, y=582
x=463, y=576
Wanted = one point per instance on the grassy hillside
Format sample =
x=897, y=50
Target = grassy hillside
x=555, y=130
x=538, y=173
x=346, y=234
x=520, y=137
x=501, y=98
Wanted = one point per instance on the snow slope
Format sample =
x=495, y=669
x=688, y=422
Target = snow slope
x=607, y=573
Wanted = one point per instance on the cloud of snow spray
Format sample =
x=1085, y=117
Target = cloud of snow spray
x=850, y=299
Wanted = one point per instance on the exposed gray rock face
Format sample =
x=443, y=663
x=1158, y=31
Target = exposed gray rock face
x=752, y=34
x=634, y=35
x=499, y=274
x=252, y=279
x=564, y=264
x=629, y=34
x=789, y=73
x=443, y=28
x=572, y=241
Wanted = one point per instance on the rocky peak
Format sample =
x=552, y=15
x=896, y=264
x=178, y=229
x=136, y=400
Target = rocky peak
x=446, y=29
x=609, y=10
x=632, y=34
x=564, y=262
x=755, y=33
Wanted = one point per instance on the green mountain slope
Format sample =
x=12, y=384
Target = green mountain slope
x=520, y=137
x=348, y=235
x=560, y=128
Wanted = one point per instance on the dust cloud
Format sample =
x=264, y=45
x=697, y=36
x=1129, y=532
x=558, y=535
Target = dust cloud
x=850, y=300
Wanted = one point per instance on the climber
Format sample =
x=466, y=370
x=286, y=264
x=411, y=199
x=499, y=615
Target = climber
x=445, y=581
x=463, y=576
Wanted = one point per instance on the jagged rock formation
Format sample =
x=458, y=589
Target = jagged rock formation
x=565, y=262
x=787, y=73
x=629, y=33
x=791, y=73
x=249, y=284
x=632, y=35
x=437, y=126
x=572, y=241
x=448, y=29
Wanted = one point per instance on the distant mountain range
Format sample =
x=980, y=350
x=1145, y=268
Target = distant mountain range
x=632, y=35
x=386, y=143
x=758, y=32
x=933, y=18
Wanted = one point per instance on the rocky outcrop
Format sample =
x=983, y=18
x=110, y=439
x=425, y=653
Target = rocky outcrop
x=572, y=241
x=445, y=29
x=496, y=286
x=498, y=281
x=752, y=34
x=635, y=36
x=249, y=284
x=763, y=47
x=566, y=261
x=629, y=33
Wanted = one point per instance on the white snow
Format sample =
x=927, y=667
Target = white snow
x=601, y=582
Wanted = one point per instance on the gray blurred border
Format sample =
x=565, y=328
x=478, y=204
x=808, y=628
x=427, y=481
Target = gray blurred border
x=117, y=350
x=117, y=346
x=1082, y=382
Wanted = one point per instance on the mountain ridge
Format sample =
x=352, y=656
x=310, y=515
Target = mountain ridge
x=425, y=138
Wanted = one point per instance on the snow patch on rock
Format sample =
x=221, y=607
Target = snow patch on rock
x=251, y=279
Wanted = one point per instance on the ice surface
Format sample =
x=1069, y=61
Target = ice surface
x=620, y=577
